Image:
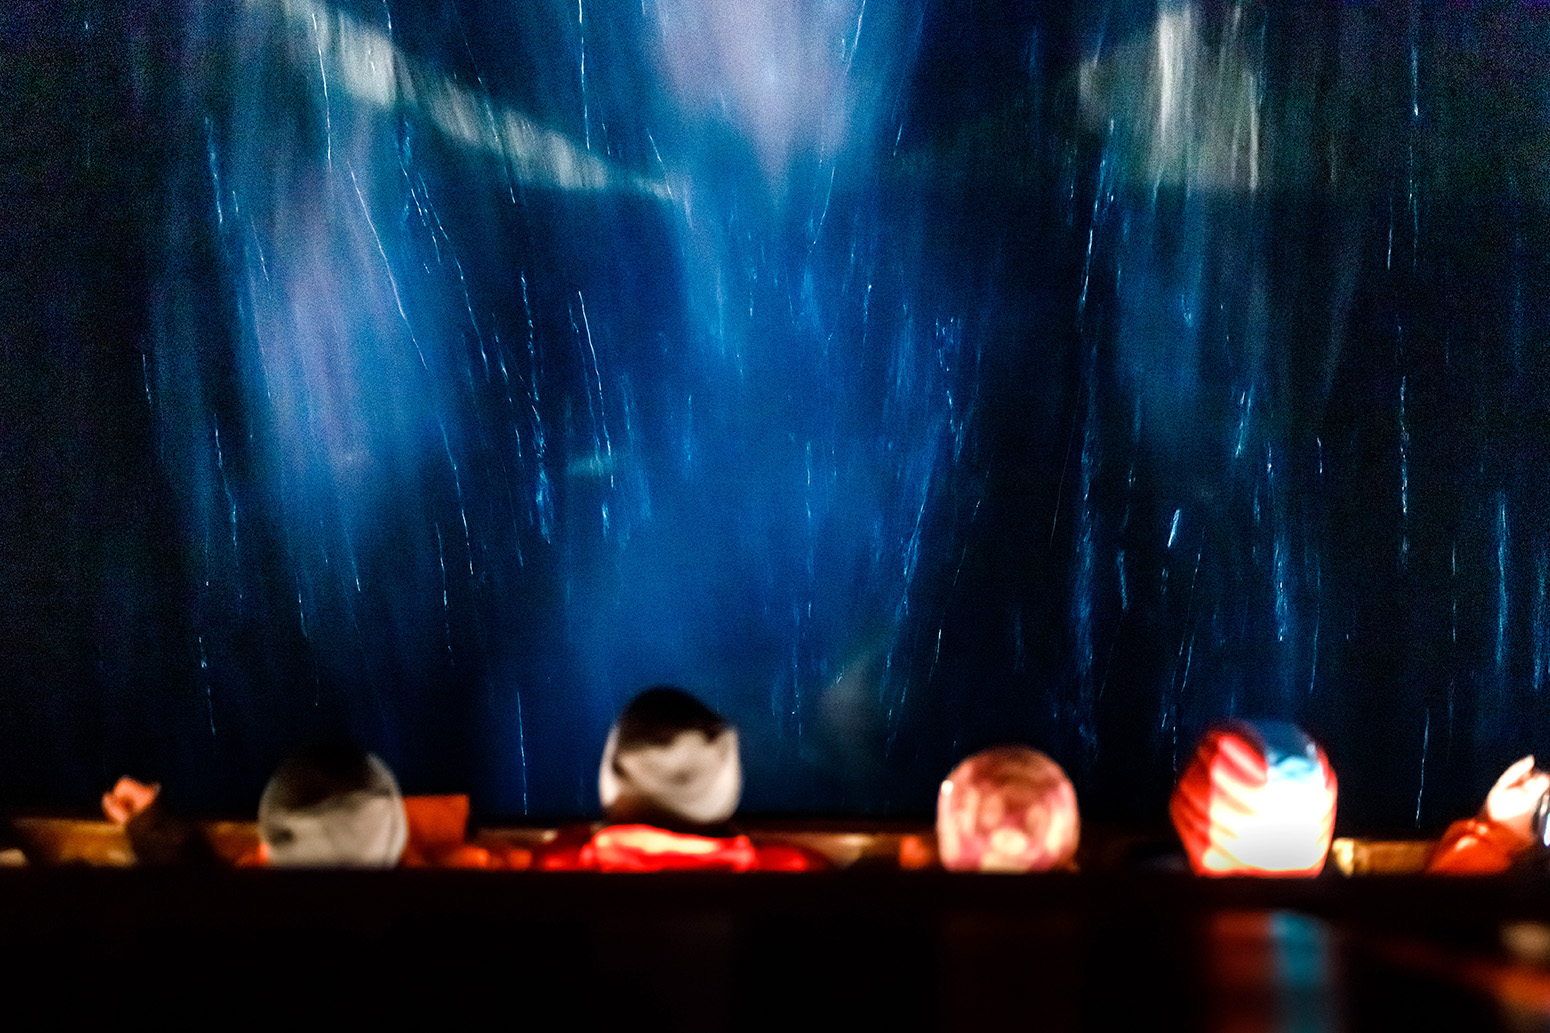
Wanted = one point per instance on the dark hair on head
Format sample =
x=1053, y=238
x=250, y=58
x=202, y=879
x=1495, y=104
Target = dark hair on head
x=322, y=771
x=661, y=713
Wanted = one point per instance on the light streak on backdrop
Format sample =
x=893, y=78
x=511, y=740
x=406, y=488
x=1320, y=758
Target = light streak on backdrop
x=372, y=70
x=899, y=379
x=524, y=411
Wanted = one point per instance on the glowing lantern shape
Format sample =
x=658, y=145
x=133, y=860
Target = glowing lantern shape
x=1257, y=799
x=1007, y=809
x=333, y=806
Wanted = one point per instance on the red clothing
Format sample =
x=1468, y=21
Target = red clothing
x=438, y=829
x=438, y=824
x=1475, y=846
x=646, y=848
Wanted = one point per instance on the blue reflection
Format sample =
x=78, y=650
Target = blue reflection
x=1271, y=970
x=1307, y=997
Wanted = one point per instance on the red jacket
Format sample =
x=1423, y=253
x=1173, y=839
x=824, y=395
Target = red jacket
x=1475, y=846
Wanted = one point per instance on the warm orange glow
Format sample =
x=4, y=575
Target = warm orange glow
x=645, y=848
x=128, y=798
x=438, y=826
x=915, y=853
x=1239, y=813
x=1007, y=809
x=1474, y=847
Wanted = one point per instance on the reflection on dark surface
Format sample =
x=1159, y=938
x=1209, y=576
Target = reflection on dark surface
x=1270, y=970
x=839, y=949
x=898, y=381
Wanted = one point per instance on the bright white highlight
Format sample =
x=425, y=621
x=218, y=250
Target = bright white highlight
x=369, y=68
x=1280, y=832
x=1187, y=113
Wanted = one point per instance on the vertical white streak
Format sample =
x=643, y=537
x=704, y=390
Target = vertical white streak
x=328, y=116
x=387, y=267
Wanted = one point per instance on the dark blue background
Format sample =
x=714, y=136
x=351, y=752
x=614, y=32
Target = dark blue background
x=925, y=395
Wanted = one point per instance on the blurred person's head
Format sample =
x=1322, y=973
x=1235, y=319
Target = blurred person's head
x=333, y=805
x=1007, y=809
x=1519, y=803
x=670, y=761
x=1257, y=798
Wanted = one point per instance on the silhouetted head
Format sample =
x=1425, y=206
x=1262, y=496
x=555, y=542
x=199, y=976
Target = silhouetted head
x=671, y=761
x=333, y=805
x=1258, y=798
x=1007, y=809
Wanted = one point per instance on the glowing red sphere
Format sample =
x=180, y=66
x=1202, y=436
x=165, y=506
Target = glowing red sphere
x=1258, y=798
x=1007, y=809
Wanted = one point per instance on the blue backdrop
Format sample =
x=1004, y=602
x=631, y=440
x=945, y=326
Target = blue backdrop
x=900, y=378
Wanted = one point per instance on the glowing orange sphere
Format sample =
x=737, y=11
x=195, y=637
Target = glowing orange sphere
x=1007, y=809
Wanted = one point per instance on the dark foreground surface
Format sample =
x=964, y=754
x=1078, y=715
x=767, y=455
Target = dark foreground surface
x=856, y=949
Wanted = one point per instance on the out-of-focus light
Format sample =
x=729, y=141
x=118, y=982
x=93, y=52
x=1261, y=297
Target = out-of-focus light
x=1007, y=809
x=1258, y=798
x=1183, y=112
x=783, y=74
x=1528, y=942
x=366, y=65
x=644, y=848
x=333, y=807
